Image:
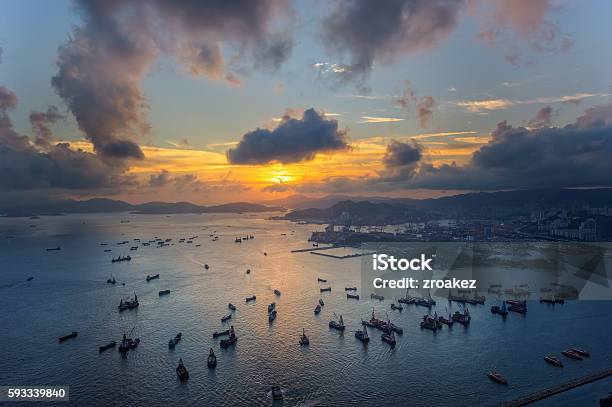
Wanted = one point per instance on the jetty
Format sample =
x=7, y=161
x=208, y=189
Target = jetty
x=551, y=391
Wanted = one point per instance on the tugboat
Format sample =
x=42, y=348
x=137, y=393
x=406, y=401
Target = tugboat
x=580, y=352
x=149, y=278
x=251, y=298
x=226, y=318
x=277, y=394
x=226, y=343
x=172, y=342
x=571, y=354
x=128, y=304
x=321, y=280
x=362, y=335
x=317, y=309
x=496, y=309
x=69, y=336
x=164, y=292
x=181, y=371
x=553, y=361
x=339, y=325
x=397, y=307
x=212, y=359
x=111, y=280
x=325, y=289
x=271, y=307
x=304, y=339
x=389, y=337
x=217, y=334
x=498, y=378
x=353, y=296
x=107, y=346
x=277, y=293
x=231, y=306
x=377, y=297
x=321, y=303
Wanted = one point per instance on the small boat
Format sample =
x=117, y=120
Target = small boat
x=111, y=280
x=212, y=359
x=397, y=307
x=181, y=371
x=149, y=278
x=272, y=316
x=71, y=335
x=353, y=296
x=248, y=271
x=389, y=337
x=339, y=325
x=107, y=346
x=321, y=280
x=108, y=250
x=53, y=249
x=251, y=298
x=377, y=297
x=277, y=293
x=172, y=342
x=231, y=306
x=164, y=292
x=238, y=240
x=321, y=303
x=277, y=394
x=350, y=288
x=496, y=309
x=271, y=307
x=446, y=321
x=217, y=334
x=265, y=253
x=128, y=344
x=226, y=343
x=362, y=335
x=206, y=266
x=317, y=309
x=553, y=361
x=304, y=339
x=226, y=318
x=121, y=258
x=571, y=354
x=498, y=378
x=325, y=289
x=462, y=317
x=30, y=279
x=128, y=304
x=521, y=309
x=580, y=352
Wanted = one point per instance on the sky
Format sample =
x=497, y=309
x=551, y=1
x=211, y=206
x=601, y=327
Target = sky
x=213, y=102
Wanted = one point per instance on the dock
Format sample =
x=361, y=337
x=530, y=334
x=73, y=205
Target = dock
x=347, y=256
x=551, y=391
x=314, y=249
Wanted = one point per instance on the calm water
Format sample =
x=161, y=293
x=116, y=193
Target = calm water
x=69, y=292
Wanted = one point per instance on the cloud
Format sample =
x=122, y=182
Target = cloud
x=423, y=105
x=369, y=32
x=293, y=140
x=105, y=58
x=497, y=104
x=543, y=118
x=181, y=182
x=401, y=153
x=40, y=122
x=576, y=155
x=373, y=119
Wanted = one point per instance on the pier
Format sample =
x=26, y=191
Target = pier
x=551, y=391
x=314, y=249
x=347, y=256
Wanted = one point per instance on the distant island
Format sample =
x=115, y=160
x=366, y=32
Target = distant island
x=103, y=205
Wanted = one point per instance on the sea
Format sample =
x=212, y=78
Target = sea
x=69, y=292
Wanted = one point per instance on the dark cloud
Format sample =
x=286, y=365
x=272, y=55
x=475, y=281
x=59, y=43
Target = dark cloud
x=160, y=180
x=399, y=154
x=293, y=140
x=181, y=182
x=577, y=155
x=543, y=118
x=40, y=122
x=104, y=60
x=371, y=32
x=425, y=108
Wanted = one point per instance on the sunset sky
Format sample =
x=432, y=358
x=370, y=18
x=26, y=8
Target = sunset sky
x=256, y=100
